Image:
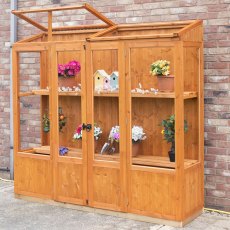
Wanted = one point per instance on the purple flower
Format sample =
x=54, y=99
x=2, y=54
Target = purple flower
x=116, y=136
x=63, y=150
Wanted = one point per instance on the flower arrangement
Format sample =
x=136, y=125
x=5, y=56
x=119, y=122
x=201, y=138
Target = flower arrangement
x=160, y=67
x=168, y=130
x=78, y=132
x=97, y=132
x=61, y=119
x=114, y=134
x=70, y=69
x=138, y=134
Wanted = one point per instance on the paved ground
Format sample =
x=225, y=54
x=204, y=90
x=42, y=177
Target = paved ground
x=16, y=214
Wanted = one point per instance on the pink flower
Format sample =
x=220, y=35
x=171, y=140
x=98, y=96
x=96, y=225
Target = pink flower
x=79, y=129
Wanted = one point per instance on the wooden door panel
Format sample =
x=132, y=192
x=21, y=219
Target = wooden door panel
x=106, y=188
x=152, y=194
x=70, y=182
x=33, y=177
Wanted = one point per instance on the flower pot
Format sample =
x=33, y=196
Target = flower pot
x=135, y=149
x=172, y=152
x=165, y=83
x=67, y=81
x=171, y=156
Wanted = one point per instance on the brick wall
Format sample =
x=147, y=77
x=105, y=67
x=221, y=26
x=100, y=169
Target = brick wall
x=4, y=83
x=216, y=16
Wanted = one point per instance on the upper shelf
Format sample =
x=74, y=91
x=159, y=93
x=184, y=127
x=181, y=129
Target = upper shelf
x=187, y=95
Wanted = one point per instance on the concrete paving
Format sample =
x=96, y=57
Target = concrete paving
x=17, y=214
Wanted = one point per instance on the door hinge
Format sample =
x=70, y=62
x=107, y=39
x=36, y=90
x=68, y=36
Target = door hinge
x=84, y=46
x=87, y=202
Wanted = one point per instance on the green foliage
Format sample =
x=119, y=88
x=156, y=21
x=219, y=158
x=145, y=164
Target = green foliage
x=168, y=130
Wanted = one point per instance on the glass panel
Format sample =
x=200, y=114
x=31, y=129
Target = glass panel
x=147, y=116
x=191, y=137
x=70, y=105
x=34, y=125
x=106, y=105
x=31, y=77
x=149, y=106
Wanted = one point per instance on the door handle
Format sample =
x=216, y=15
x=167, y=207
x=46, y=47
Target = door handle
x=86, y=127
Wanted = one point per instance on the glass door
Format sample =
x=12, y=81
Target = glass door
x=107, y=153
x=70, y=113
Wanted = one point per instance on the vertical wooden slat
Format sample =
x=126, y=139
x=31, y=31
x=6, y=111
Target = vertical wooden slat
x=90, y=119
x=84, y=120
x=54, y=129
x=50, y=26
x=129, y=122
x=201, y=115
x=122, y=123
x=179, y=126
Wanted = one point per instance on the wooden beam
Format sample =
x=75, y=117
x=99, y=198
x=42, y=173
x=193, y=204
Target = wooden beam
x=29, y=20
x=50, y=26
x=158, y=24
x=132, y=37
x=189, y=27
x=98, y=15
x=81, y=27
x=48, y=9
x=29, y=39
x=100, y=33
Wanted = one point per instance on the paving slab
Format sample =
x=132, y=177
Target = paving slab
x=18, y=214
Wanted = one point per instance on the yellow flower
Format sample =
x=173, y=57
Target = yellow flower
x=162, y=131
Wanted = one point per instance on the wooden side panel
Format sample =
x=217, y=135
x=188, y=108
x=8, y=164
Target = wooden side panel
x=33, y=177
x=106, y=188
x=70, y=182
x=195, y=34
x=153, y=194
x=191, y=68
x=193, y=190
x=149, y=113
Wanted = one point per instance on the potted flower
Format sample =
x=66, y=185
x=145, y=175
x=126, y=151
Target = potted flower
x=138, y=135
x=168, y=132
x=97, y=133
x=61, y=121
x=68, y=71
x=161, y=69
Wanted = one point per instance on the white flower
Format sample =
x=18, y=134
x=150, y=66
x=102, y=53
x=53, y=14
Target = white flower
x=138, y=134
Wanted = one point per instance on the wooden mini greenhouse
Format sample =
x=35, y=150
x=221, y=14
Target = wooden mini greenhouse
x=74, y=141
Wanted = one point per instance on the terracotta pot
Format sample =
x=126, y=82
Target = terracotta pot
x=135, y=149
x=165, y=83
x=67, y=81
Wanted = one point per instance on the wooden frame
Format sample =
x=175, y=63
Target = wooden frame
x=147, y=185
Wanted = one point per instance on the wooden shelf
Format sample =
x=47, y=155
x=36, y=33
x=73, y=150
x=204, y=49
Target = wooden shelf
x=187, y=95
x=106, y=94
x=45, y=150
x=159, y=161
x=106, y=157
x=46, y=92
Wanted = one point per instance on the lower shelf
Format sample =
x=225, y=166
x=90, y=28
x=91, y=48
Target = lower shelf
x=158, y=161
x=142, y=160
